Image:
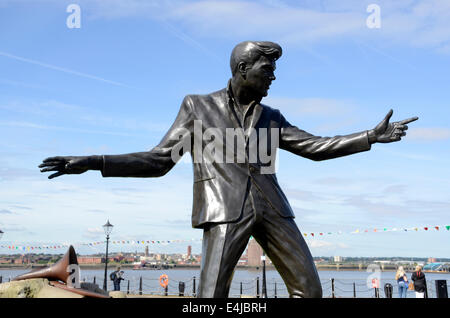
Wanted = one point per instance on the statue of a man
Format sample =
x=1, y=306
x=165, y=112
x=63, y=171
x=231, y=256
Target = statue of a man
x=237, y=198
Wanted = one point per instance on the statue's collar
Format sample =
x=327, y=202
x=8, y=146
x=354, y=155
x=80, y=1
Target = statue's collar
x=230, y=92
x=231, y=96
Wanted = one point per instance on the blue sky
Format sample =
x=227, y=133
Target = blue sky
x=115, y=85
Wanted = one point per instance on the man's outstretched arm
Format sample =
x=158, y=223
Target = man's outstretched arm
x=318, y=148
x=153, y=163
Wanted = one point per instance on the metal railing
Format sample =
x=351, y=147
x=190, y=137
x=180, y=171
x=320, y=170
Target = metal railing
x=332, y=288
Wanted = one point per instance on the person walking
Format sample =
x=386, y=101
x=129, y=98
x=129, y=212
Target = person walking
x=402, y=281
x=420, y=283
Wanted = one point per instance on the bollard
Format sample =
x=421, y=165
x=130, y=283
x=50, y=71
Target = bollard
x=94, y=279
x=388, y=290
x=1, y=279
x=332, y=288
x=193, y=287
x=128, y=287
x=441, y=288
x=240, y=289
x=140, y=285
x=181, y=289
x=354, y=290
x=257, y=287
x=166, y=290
x=377, y=292
x=275, y=291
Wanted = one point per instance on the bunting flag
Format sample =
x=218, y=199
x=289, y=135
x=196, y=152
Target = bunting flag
x=40, y=247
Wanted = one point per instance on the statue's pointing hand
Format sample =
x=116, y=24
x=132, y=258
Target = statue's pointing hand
x=386, y=132
x=65, y=165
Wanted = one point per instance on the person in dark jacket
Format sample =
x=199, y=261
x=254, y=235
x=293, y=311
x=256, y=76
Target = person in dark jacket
x=116, y=276
x=420, y=283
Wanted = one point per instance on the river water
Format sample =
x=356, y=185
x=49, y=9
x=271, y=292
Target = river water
x=345, y=282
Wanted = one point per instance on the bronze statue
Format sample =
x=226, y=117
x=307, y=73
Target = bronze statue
x=236, y=193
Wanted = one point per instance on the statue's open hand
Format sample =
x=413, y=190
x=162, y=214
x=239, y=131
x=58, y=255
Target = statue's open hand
x=65, y=165
x=386, y=132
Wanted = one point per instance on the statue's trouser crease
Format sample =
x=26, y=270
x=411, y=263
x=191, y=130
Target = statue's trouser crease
x=223, y=245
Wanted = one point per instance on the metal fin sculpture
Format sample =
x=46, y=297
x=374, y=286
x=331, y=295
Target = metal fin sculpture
x=57, y=271
x=58, y=275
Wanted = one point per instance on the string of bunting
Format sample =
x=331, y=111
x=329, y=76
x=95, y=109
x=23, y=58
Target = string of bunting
x=142, y=242
x=381, y=230
x=91, y=244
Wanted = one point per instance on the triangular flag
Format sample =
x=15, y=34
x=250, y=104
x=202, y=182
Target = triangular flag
x=437, y=228
x=425, y=228
x=447, y=227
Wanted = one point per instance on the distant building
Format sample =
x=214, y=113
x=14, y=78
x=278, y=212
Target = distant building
x=383, y=261
x=243, y=260
x=431, y=260
x=189, y=252
x=89, y=260
x=254, y=253
x=146, y=251
x=337, y=259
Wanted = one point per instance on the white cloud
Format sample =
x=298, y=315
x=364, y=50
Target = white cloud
x=423, y=24
x=94, y=232
x=319, y=244
x=311, y=106
x=415, y=23
x=429, y=134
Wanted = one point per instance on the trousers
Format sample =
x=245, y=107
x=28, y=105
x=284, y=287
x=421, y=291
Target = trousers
x=280, y=238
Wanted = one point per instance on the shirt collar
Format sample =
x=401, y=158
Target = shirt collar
x=231, y=96
x=230, y=92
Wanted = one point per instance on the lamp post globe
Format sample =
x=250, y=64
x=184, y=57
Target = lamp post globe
x=108, y=229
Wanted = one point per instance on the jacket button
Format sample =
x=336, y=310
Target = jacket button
x=252, y=169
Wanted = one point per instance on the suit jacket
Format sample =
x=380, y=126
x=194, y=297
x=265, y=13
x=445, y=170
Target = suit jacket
x=220, y=187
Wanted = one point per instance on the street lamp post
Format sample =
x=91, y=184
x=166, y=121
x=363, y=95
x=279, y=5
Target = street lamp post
x=264, y=285
x=1, y=234
x=108, y=228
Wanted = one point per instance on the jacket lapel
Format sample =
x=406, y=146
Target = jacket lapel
x=257, y=111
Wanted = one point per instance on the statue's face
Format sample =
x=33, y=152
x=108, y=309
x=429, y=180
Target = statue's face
x=259, y=76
